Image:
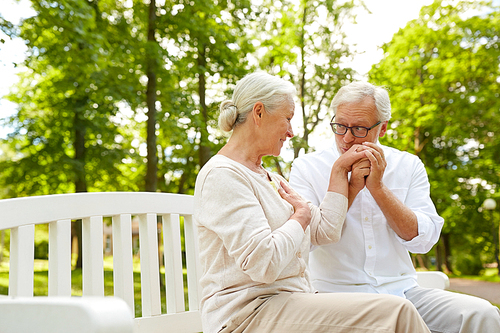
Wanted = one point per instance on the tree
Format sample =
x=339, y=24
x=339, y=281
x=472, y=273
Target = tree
x=151, y=65
x=442, y=71
x=66, y=138
x=306, y=44
x=207, y=51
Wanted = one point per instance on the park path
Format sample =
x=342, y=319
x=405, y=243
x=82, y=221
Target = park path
x=483, y=289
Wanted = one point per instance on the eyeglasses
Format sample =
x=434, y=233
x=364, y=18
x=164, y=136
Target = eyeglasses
x=357, y=131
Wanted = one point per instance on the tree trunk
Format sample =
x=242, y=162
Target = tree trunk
x=80, y=182
x=446, y=252
x=204, y=152
x=152, y=154
x=278, y=167
x=439, y=257
x=421, y=261
x=152, y=167
x=302, y=142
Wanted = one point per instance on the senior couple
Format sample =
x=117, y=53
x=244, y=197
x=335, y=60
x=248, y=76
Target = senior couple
x=359, y=205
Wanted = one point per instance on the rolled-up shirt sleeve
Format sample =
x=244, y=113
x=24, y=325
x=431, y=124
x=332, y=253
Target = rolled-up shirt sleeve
x=419, y=201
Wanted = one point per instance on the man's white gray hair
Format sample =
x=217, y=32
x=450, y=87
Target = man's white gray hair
x=355, y=92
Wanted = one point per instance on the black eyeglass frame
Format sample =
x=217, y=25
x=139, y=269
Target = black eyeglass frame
x=351, y=128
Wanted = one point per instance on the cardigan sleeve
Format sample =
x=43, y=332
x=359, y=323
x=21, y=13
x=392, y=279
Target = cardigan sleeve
x=327, y=219
x=229, y=207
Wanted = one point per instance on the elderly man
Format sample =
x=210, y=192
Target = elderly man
x=390, y=213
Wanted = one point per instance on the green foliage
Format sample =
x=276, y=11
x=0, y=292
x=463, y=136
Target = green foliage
x=442, y=73
x=488, y=274
x=5, y=245
x=82, y=99
x=42, y=241
x=468, y=264
x=67, y=97
x=209, y=48
x=304, y=42
x=85, y=87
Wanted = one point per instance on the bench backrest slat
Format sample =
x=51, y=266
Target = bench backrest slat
x=150, y=273
x=93, y=270
x=174, y=283
x=192, y=263
x=123, y=267
x=60, y=258
x=22, y=253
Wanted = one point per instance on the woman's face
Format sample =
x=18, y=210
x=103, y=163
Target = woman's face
x=277, y=127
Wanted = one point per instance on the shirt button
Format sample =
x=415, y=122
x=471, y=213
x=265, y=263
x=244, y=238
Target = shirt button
x=369, y=247
x=366, y=218
x=302, y=274
x=299, y=255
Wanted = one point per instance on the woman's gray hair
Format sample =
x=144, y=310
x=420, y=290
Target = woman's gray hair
x=357, y=91
x=270, y=90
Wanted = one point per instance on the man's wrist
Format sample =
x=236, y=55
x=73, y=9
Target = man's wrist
x=377, y=191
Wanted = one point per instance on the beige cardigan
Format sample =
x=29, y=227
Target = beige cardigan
x=248, y=245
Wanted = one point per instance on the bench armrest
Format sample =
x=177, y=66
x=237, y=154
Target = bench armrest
x=65, y=314
x=433, y=279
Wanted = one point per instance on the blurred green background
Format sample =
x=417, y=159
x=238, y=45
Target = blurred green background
x=122, y=96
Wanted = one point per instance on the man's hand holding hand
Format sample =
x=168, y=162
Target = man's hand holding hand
x=359, y=173
x=375, y=155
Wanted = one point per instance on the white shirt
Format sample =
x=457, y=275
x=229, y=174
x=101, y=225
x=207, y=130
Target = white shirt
x=370, y=257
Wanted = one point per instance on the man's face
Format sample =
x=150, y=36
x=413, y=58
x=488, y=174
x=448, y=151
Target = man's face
x=362, y=113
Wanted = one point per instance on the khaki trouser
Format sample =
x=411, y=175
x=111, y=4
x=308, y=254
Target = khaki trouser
x=339, y=312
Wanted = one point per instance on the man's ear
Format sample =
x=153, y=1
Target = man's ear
x=383, y=128
x=257, y=111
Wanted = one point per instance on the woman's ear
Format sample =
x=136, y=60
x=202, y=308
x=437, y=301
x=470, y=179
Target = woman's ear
x=257, y=111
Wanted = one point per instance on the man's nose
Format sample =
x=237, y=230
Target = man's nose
x=348, y=137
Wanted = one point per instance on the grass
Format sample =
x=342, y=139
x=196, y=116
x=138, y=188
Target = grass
x=40, y=283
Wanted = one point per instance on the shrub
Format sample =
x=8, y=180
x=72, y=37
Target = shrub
x=468, y=264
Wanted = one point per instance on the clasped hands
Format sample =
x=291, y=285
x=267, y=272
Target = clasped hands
x=367, y=170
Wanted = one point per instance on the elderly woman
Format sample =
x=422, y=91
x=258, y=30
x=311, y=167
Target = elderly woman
x=255, y=231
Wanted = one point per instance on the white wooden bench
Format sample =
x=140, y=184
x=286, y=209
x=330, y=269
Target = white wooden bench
x=21, y=214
